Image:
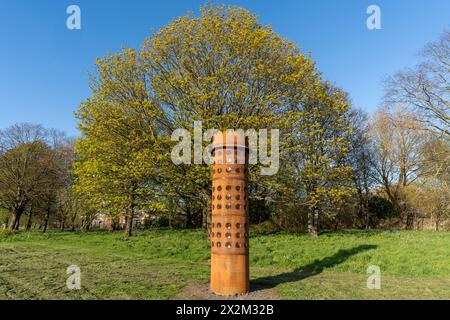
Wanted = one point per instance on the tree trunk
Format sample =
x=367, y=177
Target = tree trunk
x=83, y=224
x=205, y=212
x=129, y=225
x=410, y=217
x=367, y=220
x=205, y=219
x=16, y=220
x=366, y=210
x=30, y=220
x=312, y=225
x=13, y=222
x=316, y=220
x=72, y=222
x=46, y=219
x=189, y=223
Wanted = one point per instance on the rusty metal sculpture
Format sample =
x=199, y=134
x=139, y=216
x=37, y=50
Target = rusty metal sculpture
x=229, y=220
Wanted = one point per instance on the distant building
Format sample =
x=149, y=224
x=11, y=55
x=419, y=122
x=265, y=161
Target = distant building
x=105, y=222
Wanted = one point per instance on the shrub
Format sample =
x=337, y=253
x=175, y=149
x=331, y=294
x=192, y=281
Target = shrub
x=265, y=227
x=5, y=233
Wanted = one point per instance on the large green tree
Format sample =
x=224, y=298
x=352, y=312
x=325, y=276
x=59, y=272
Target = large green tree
x=118, y=150
x=229, y=71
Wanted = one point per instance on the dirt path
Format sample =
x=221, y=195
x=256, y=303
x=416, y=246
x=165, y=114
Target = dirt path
x=200, y=291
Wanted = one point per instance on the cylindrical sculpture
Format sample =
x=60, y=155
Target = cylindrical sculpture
x=229, y=220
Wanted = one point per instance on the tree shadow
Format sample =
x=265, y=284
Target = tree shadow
x=308, y=270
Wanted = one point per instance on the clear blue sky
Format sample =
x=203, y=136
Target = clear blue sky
x=43, y=65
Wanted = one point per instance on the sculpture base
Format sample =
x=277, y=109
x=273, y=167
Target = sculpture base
x=229, y=274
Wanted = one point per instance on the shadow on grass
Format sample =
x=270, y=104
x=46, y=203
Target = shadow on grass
x=309, y=270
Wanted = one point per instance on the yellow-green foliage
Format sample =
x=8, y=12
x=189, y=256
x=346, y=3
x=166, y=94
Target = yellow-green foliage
x=228, y=70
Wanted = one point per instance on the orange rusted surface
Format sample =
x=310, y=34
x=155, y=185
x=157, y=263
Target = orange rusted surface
x=229, y=219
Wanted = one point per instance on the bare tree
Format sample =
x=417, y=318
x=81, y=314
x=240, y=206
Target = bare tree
x=397, y=153
x=68, y=206
x=58, y=168
x=426, y=87
x=360, y=157
x=32, y=167
x=21, y=149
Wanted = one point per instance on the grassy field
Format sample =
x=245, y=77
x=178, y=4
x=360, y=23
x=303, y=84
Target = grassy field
x=164, y=264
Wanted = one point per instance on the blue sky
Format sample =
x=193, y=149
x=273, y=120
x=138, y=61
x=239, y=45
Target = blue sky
x=44, y=66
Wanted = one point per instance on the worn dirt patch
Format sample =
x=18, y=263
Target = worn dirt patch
x=200, y=291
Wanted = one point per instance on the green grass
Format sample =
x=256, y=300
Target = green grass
x=158, y=264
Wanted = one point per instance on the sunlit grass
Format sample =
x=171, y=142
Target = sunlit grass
x=157, y=264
